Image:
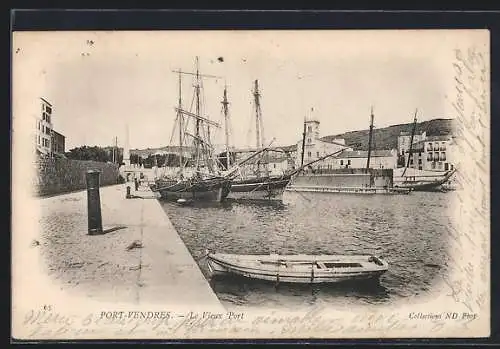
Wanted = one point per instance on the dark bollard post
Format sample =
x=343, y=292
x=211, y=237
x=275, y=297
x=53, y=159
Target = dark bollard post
x=93, y=203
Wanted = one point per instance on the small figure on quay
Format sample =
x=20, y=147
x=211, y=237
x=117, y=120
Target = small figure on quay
x=136, y=182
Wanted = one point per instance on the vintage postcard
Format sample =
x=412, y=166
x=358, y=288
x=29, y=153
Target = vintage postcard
x=251, y=184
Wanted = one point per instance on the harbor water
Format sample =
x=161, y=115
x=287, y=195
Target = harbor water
x=409, y=231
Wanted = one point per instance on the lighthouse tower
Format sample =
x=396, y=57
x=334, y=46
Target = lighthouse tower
x=126, y=148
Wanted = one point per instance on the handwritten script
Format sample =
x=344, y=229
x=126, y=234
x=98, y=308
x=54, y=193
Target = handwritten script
x=469, y=238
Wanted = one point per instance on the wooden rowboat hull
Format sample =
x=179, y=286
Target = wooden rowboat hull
x=297, y=269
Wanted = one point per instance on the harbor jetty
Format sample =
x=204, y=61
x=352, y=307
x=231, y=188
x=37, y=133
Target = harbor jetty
x=138, y=258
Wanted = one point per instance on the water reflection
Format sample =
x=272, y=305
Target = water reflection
x=409, y=231
x=241, y=290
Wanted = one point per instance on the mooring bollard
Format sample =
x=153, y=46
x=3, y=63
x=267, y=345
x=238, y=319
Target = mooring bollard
x=93, y=203
x=128, y=192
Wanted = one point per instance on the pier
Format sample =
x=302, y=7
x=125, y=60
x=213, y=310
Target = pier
x=138, y=259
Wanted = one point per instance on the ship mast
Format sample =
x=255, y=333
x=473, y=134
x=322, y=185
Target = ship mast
x=303, y=144
x=259, y=129
x=370, y=141
x=226, y=118
x=411, y=142
x=179, y=116
x=258, y=115
x=197, y=142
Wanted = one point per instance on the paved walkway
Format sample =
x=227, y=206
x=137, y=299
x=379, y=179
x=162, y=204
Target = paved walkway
x=112, y=266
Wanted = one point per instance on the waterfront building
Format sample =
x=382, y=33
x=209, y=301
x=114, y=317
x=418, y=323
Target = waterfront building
x=315, y=147
x=43, y=128
x=404, y=140
x=379, y=159
x=278, y=160
x=432, y=153
x=46, y=141
x=58, y=143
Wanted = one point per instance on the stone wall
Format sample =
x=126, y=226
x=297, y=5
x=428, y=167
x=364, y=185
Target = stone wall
x=55, y=176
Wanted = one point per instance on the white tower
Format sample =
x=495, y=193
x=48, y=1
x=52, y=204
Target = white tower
x=312, y=130
x=126, y=148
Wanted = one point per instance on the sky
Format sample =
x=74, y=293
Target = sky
x=99, y=82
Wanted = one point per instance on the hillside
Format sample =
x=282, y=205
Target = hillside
x=387, y=137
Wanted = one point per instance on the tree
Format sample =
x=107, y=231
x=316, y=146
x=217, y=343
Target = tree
x=94, y=153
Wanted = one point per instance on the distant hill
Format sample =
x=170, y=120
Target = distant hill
x=387, y=137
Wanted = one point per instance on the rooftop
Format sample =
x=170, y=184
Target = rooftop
x=438, y=138
x=364, y=153
x=45, y=101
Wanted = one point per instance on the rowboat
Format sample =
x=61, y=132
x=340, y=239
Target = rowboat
x=298, y=268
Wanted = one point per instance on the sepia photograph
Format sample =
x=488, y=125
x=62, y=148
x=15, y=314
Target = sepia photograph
x=250, y=184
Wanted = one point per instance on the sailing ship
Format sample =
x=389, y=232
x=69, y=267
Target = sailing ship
x=344, y=180
x=304, y=269
x=259, y=185
x=205, y=181
x=421, y=181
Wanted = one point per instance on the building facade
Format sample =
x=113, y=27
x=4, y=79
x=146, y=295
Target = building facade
x=379, y=159
x=316, y=148
x=43, y=127
x=404, y=139
x=276, y=162
x=58, y=143
x=433, y=153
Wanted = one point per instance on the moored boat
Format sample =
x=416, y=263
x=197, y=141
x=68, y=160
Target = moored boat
x=298, y=268
x=358, y=180
x=262, y=185
x=434, y=183
x=419, y=180
x=267, y=188
x=207, y=182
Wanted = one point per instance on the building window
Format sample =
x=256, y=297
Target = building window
x=429, y=146
x=436, y=156
x=440, y=164
x=446, y=166
x=433, y=165
x=436, y=146
x=47, y=130
x=411, y=161
x=429, y=156
x=419, y=154
x=443, y=156
x=48, y=109
x=420, y=161
x=309, y=154
x=443, y=146
x=341, y=162
x=309, y=140
x=349, y=162
x=451, y=166
x=309, y=128
x=317, y=154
